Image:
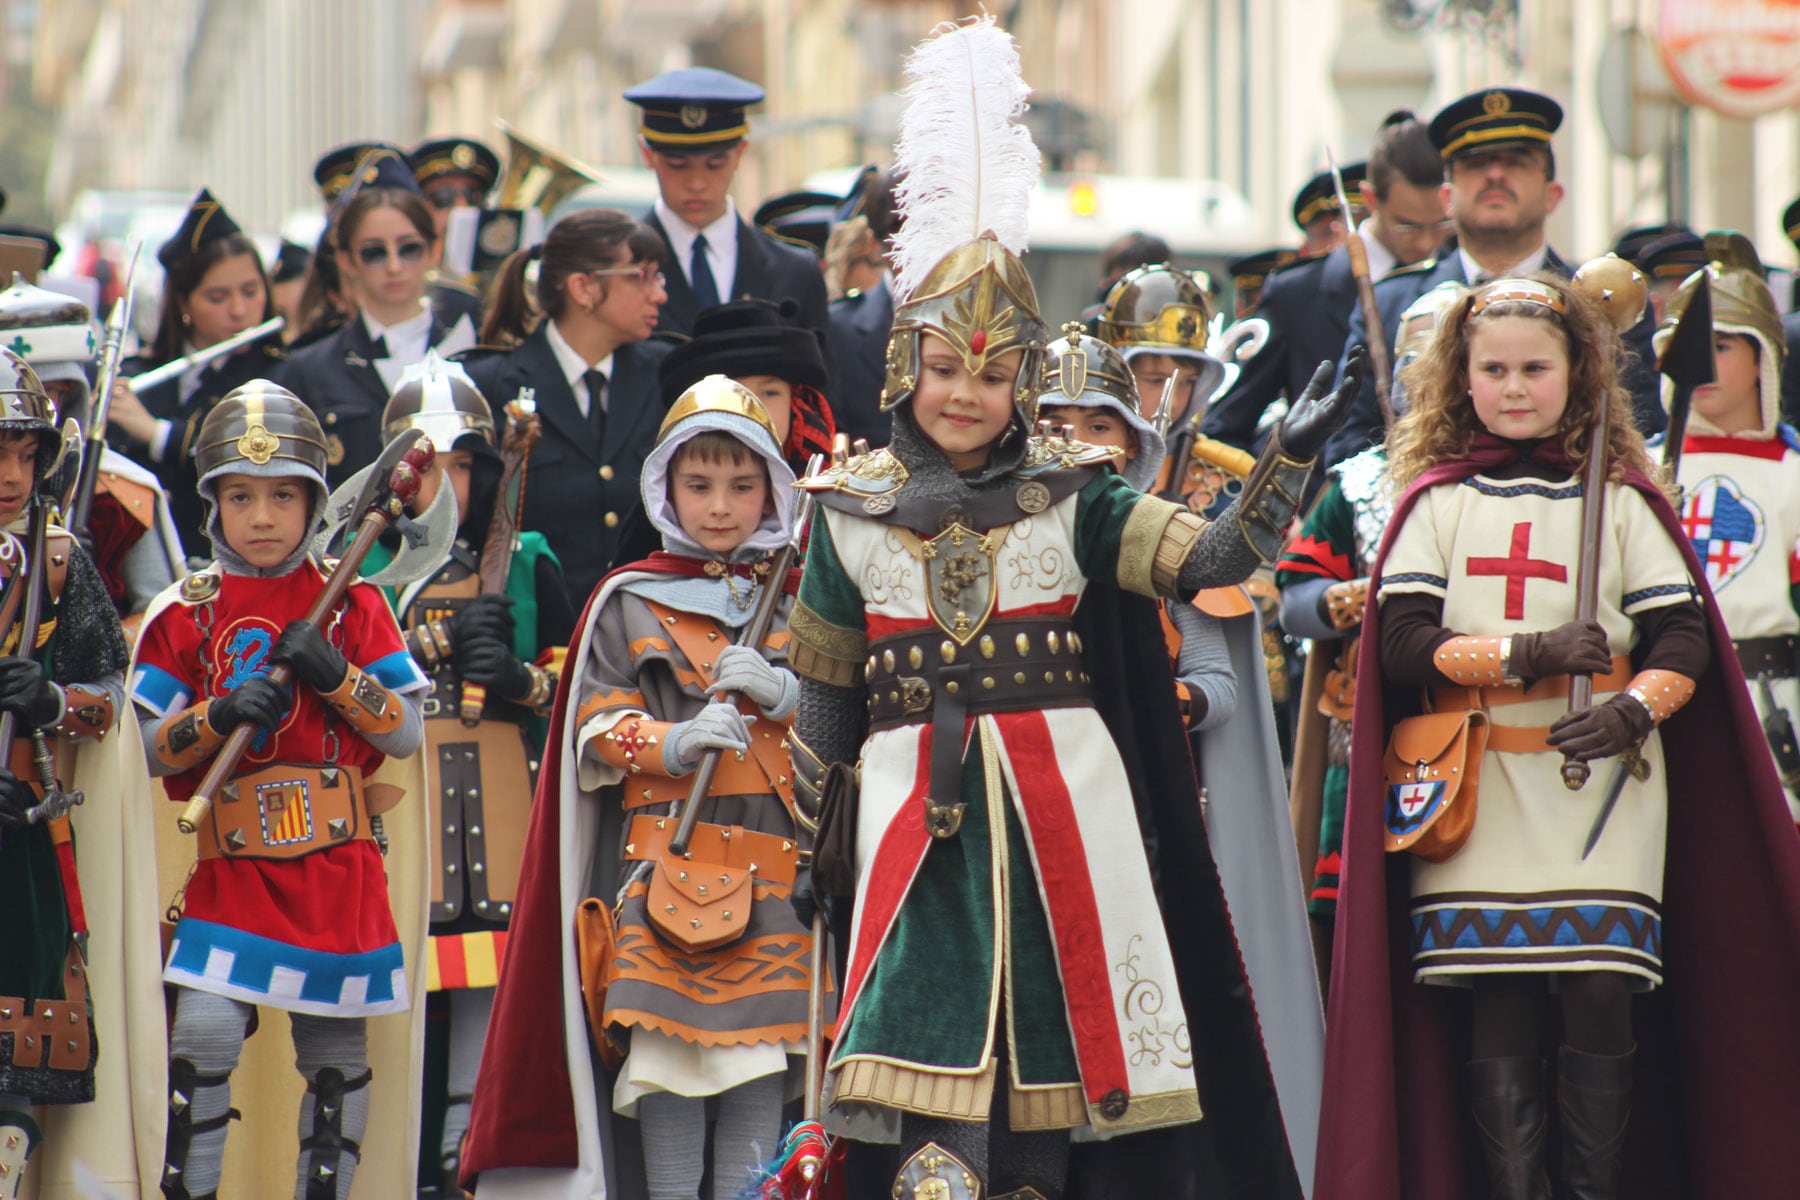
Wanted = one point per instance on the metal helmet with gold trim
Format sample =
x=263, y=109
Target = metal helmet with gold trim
x=438, y=397
x=1741, y=304
x=1157, y=307
x=717, y=405
x=980, y=301
x=1082, y=370
x=260, y=428
x=25, y=407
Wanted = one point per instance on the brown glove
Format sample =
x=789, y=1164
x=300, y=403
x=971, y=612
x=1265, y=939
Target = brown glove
x=1576, y=648
x=1601, y=731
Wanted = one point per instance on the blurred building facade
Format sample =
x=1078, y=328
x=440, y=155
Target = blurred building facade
x=243, y=94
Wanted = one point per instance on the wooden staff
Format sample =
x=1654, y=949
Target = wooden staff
x=522, y=431
x=1377, y=341
x=402, y=486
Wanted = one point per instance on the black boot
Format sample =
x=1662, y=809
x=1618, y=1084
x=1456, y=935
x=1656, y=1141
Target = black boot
x=1594, y=1094
x=1506, y=1097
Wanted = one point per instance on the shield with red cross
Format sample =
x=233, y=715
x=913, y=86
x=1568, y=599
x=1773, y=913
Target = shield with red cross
x=1725, y=526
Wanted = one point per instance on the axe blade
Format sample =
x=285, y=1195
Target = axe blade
x=1687, y=359
x=424, y=543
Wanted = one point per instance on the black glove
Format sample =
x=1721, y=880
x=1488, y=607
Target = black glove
x=259, y=700
x=491, y=663
x=27, y=692
x=1601, y=731
x=1579, y=647
x=16, y=799
x=802, y=899
x=488, y=615
x=1316, y=415
x=316, y=662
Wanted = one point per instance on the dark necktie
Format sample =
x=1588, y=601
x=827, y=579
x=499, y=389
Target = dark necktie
x=700, y=277
x=596, y=390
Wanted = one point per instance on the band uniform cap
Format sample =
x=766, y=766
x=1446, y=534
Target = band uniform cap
x=856, y=198
x=802, y=219
x=382, y=167
x=1675, y=256
x=1492, y=118
x=694, y=108
x=1319, y=197
x=206, y=221
x=1250, y=270
x=1632, y=242
x=745, y=337
x=454, y=156
x=337, y=167
x=291, y=261
x=1790, y=222
x=43, y=327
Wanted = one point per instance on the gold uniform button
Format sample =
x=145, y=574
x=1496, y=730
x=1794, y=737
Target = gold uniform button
x=606, y=472
x=612, y=520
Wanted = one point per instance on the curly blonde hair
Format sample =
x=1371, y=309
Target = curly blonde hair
x=1440, y=423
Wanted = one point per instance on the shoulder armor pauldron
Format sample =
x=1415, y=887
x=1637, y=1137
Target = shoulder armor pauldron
x=1057, y=453
x=202, y=585
x=877, y=473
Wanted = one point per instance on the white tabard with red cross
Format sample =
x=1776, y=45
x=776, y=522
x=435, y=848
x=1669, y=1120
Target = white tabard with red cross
x=1502, y=557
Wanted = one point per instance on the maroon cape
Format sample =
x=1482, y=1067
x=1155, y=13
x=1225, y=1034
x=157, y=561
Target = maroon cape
x=523, y=1110
x=1717, y=1100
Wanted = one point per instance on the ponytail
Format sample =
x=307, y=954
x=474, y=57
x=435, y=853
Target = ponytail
x=511, y=314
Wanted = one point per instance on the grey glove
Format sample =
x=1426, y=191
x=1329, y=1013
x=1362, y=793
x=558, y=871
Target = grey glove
x=1316, y=415
x=742, y=669
x=717, y=726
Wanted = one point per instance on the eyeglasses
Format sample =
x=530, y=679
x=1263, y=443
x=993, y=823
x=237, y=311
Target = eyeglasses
x=455, y=195
x=373, y=254
x=646, y=274
x=1444, y=226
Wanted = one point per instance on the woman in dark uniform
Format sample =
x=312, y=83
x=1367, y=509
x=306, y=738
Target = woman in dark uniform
x=214, y=288
x=384, y=241
x=592, y=373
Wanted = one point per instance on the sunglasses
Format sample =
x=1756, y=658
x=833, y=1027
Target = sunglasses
x=455, y=195
x=647, y=274
x=372, y=254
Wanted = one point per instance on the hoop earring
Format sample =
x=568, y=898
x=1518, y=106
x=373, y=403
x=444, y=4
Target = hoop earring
x=187, y=320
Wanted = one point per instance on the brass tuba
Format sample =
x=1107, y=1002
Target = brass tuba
x=538, y=177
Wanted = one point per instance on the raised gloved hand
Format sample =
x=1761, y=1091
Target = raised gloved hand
x=316, y=662
x=1602, y=730
x=490, y=662
x=16, y=800
x=258, y=700
x=27, y=692
x=742, y=669
x=1341, y=605
x=717, y=726
x=1316, y=415
x=488, y=615
x=1578, y=647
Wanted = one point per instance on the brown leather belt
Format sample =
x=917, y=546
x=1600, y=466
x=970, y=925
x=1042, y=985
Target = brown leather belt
x=286, y=810
x=769, y=858
x=1457, y=699
x=1770, y=656
x=1013, y=666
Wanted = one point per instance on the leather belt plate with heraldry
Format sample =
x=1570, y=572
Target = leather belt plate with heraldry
x=286, y=810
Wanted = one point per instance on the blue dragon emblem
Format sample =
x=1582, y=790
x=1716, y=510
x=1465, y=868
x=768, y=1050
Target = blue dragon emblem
x=247, y=656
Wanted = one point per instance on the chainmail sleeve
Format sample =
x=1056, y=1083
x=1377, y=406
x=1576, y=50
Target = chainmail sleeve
x=91, y=645
x=1221, y=556
x=831, y=720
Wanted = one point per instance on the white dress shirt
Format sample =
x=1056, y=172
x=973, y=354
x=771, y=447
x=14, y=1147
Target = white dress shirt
x=721, y=244
x=1531, y=264
x=1381, y=259
x=574, y=368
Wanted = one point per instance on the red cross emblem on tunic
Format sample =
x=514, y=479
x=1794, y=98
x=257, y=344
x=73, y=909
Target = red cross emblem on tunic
x=1517, y=567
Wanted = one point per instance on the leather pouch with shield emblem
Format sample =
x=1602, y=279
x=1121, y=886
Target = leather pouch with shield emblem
x=1431, y=770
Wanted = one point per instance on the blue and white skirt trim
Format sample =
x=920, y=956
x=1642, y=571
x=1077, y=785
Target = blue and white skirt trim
x=258, y=970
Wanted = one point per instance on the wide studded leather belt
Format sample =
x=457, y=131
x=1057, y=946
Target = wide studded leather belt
x=1020, y=665
x=1771, y=656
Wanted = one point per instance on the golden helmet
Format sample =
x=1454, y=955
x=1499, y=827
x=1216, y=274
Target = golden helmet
x=979, y=299
x=1158, y=307
x=1741, y=304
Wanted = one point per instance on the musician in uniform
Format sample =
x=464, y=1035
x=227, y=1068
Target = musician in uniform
x=1322, y=221
x=1307, y=305
x=287, y=279
x=214, y=288
x=1500, y=187
x=454, y=172
x=130, y=532
x=384, y=240
x=692, y=134
x=861, y=315
x=1666, y=261
x=591, y=367
x=1250, y=274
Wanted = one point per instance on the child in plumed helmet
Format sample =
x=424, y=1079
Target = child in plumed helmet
x=706, y=997
x=288, y=905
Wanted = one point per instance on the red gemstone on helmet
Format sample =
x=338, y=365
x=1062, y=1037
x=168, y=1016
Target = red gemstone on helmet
x=978, y=341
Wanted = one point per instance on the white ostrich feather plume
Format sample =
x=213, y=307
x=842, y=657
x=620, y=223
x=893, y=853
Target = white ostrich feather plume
x=970, y=162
